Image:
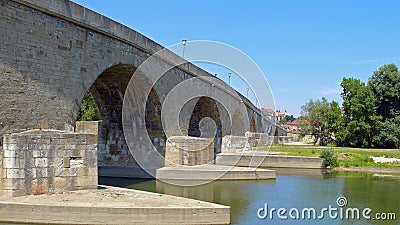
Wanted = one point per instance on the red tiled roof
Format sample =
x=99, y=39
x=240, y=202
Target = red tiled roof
x=299, y=122
x=270, y=111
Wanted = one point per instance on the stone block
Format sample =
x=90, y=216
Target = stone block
x=39, y=173
x=41, y=162
x=66, y=162
x=235, y=144
x=37, y=153
x=10, y=146
x=13, y=193
x=13, y=184
x=9, y=153
x=15, y=173
x=259, y=138
x=190, y=151
x=87, y=127
x=13, y=163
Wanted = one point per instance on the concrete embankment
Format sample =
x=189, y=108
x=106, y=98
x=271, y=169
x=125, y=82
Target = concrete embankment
x=268, y=161
x=109, y=205
x=214, y=172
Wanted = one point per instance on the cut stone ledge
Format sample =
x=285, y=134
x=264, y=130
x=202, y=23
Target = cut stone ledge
x=214, y=172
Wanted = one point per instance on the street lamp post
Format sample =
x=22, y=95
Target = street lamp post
x=184, y=45
x=229, y=76
x=247, y=92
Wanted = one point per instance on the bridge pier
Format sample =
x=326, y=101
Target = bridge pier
x=48, y=161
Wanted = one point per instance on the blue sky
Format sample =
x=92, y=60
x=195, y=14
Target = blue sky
x=304, y=47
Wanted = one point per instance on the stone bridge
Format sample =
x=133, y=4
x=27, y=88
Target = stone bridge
x=53, y=52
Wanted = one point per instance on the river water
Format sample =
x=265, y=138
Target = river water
x=294, y=191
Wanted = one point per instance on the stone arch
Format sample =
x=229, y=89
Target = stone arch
x=154, y=123
x=206, y=107
x=108, y=91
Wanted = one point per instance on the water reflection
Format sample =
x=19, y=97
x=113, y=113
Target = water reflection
x=315, y=190
x=381, y=194
x=309, y=173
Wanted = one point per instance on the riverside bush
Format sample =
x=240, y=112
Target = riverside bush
x=330, y=158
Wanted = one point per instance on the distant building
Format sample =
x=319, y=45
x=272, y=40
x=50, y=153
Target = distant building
x=280, y=117
x=270, y=114
x=275, y=115
x=295, y=126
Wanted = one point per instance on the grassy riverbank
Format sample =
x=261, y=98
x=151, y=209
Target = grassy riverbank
x=347, y=157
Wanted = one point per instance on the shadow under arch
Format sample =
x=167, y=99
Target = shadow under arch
x=108, y=91
x=206, y=108
x=253, y=127
x=154, y=123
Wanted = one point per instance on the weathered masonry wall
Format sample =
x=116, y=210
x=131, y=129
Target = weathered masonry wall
x=189, y=151
x=75, y=46
x=46, y=161
x=265, y=139
x=269, y=161
x=239, y=144
x=53, y=52
x=235, y=144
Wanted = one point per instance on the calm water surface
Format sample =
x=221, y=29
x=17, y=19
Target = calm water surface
x=381, y=194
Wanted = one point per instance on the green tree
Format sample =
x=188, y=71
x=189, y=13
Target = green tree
x=288, y=119
x=360, y=119
x=388, y=134
x=385, y=84
x=89, y=110
x=321, y=119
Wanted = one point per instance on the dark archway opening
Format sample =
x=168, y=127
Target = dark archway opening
x=206, y=107
x=106, y=95
x=253, y=125
x=108, y=91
